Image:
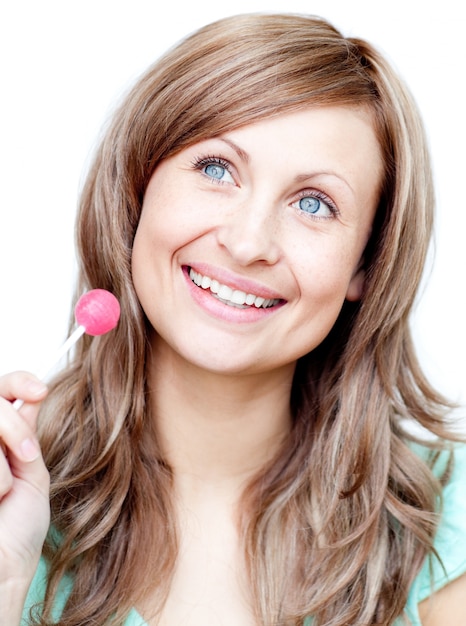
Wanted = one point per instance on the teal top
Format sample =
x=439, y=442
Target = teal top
x=450, y=543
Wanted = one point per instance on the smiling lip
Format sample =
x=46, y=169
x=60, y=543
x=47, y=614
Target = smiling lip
x=230, y=297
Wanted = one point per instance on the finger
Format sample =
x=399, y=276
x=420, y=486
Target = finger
x=22, y=385
x=33, y=470
x=17, y=435
x=27, y=387
x=6, y=477
x=23, y=459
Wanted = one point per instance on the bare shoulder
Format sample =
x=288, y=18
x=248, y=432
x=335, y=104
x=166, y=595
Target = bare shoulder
x=447, y=606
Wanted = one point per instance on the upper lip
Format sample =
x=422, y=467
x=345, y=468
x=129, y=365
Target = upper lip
x=225, y=277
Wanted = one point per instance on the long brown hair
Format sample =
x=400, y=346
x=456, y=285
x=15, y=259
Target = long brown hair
x=343, y=518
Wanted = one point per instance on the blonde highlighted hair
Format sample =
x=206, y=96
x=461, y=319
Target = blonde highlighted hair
x=339, y=524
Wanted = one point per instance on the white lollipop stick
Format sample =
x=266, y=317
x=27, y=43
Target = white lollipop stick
x=96, y=312
x=69, y=343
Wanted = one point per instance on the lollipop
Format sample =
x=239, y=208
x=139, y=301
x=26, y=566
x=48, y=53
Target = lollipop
x=96, y=312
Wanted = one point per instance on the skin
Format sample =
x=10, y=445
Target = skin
x=246, y=230
x=24, y=492
x=447, y=606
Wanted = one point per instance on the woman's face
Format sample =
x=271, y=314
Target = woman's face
x=249, y=242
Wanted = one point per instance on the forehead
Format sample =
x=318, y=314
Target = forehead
x=337, y=125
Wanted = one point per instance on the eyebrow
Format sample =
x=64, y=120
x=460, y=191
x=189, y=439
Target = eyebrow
x=243, y=155
x=299, y=178
x=302, y=178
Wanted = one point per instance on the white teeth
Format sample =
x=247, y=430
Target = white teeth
x=195, y=277
x=233, y=297
x=238, y=297
x=205, y=283
x=225, y=292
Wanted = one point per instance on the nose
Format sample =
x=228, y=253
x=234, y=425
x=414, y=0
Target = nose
x=250, y=233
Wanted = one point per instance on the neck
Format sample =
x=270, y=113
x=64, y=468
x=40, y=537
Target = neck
x=218, y=430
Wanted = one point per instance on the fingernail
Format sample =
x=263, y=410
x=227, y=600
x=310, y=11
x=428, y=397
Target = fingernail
x=29, y=450
x=36, y=387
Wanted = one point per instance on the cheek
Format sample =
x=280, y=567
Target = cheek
x=147, y=252
x=156, y=229
x=324, y=269
x=322, y=298
x=143, y=245
x=139, y=259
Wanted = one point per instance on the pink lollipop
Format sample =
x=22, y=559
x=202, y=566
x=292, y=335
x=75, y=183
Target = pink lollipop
x=96, y=312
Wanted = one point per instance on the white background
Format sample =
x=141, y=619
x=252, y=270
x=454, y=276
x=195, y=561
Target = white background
x=63, y=64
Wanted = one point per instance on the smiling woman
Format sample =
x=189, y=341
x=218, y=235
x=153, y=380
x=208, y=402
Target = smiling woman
x=238, y=449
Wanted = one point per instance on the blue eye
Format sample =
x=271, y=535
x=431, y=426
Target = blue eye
x=316, y=206
x=309, y=204
x=214, y=170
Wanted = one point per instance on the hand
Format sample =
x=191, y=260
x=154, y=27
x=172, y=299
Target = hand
x=24, y=482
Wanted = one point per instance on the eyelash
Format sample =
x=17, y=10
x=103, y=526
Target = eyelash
x=200, y=162
x=320, y=195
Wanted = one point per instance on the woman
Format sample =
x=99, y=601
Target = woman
x=235, y=452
